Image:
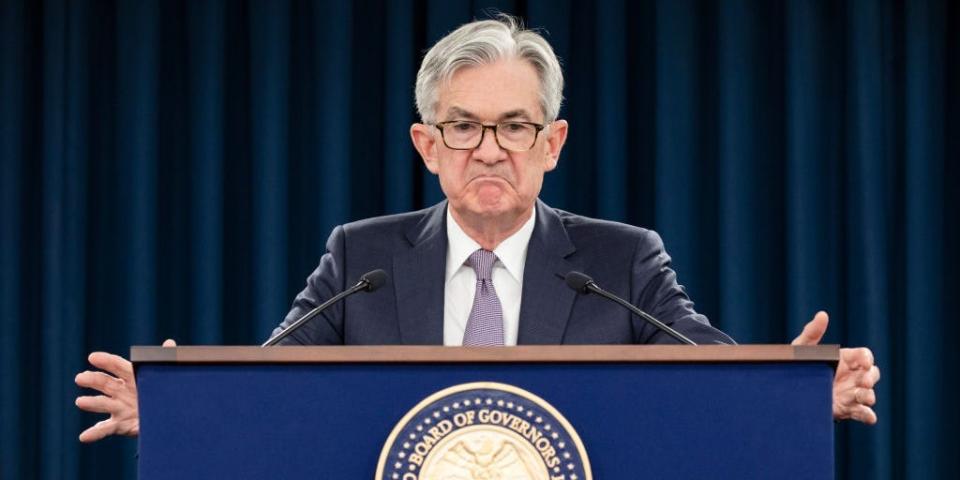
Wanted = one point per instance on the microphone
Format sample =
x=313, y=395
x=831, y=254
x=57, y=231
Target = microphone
x=582, y=283
x=369, y=282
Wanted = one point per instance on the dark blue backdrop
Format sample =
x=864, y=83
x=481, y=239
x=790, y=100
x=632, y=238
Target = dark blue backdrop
x=172, y=169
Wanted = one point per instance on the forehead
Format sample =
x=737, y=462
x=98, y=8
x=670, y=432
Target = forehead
x=491, y=91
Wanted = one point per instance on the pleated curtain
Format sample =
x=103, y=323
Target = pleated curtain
x=173, y=168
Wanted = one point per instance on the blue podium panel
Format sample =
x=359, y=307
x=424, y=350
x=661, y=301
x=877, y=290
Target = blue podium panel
x=636, y=420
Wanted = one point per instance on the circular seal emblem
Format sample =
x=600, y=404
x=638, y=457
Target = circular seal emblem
x=483, y=431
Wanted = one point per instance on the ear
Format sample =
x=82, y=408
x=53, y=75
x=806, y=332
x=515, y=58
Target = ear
x=556, y=137
x=425, y=141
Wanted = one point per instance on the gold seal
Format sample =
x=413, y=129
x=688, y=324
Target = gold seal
x=483, y=431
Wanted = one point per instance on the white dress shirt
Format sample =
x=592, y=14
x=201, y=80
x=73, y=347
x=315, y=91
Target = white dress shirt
x=460, y=283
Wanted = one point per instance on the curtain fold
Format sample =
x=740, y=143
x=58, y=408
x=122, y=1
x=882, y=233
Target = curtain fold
x=924, y=153
x=205, y=133
x=269, y=68
x=172, y=169
x=12, y=171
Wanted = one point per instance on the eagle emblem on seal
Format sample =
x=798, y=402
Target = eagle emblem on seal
x=483, y=431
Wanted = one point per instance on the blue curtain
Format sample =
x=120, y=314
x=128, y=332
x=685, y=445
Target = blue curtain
x=172, y=169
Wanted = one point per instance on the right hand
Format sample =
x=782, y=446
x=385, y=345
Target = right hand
x=118, y=399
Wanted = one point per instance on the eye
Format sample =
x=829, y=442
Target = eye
x=513, y=127
x=463, y=127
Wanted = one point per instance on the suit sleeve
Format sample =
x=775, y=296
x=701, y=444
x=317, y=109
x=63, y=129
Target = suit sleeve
x=659, y=294
x=325, y=282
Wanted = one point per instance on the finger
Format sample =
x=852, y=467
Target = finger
x=862, y=413
x=101, y=429
x=865, y=396
x=169, y=343
x=100, y=381
x=115, y=364
x=857, y=358
x=98, y=404
x=870, y=378
x=813, y=331
x=846, y=398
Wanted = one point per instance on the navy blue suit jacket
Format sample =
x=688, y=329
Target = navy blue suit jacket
x=626, y=260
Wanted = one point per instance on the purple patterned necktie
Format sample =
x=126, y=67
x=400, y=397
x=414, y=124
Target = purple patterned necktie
x=485, y=326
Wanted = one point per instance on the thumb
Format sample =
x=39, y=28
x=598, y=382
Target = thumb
x=169, y=343
x=813, y=331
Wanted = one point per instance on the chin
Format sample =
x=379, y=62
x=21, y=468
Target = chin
x=487, y=206
x=489, y=201
x=494, y=208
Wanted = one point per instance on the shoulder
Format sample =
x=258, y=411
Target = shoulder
x=394, y=231
x=399, y=222
x=606, y=234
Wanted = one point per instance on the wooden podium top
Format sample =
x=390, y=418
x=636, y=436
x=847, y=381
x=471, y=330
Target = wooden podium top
x=519, y=354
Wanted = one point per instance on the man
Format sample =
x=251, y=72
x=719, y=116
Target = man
x=486, y=266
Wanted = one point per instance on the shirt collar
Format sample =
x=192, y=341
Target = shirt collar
x=511, y=253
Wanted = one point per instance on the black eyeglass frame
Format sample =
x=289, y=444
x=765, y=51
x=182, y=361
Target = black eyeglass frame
x=537, y=126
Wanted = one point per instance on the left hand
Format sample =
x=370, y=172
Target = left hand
x=853, y=393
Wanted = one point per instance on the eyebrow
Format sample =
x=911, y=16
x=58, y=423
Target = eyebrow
x=516, y=114
x=457, y=112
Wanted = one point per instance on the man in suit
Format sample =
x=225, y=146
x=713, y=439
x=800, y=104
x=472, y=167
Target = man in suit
x=430, y=247
x=486, y=266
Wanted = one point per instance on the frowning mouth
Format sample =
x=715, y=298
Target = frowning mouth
x=488, y=178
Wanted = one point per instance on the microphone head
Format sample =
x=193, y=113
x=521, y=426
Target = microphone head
x=578, y=281
x=375, y=279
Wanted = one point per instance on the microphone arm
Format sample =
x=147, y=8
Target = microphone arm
x=369, y=282
x=584, y=284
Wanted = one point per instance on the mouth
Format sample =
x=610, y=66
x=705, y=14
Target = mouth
x=488, y=178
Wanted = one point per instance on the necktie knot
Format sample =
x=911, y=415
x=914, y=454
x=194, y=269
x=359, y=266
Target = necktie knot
x=482, y=262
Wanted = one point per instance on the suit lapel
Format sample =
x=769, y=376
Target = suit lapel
x=420, y=287
x=546, y=301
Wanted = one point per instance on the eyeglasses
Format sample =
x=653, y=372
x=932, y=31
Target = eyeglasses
x=467, y=135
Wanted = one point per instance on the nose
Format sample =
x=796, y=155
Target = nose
x=489, y=151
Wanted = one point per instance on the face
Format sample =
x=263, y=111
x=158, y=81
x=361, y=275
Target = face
x=490, y=182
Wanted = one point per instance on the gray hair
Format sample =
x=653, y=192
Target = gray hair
x=484, y=42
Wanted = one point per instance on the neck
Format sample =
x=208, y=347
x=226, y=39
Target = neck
x=490, y=231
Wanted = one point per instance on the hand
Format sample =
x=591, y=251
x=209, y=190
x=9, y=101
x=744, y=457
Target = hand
x=119, y=396
x=856, y=376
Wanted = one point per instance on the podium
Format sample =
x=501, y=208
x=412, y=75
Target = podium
x=603, y=412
